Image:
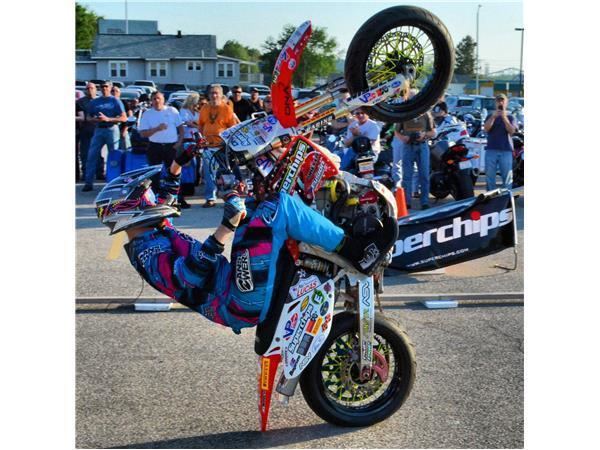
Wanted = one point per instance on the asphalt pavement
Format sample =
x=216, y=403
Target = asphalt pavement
x=175, y=380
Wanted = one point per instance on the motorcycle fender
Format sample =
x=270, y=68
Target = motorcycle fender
x=304, y=324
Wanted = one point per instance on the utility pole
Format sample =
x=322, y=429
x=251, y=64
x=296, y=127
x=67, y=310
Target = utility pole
x=126, y=21
x=477, y=54
x=521, y=91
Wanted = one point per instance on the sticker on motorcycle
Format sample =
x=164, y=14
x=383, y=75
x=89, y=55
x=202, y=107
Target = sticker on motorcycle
x=303, y=286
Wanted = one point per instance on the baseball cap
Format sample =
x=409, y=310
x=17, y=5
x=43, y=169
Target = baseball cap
x=253, y=90
x=501, y=96
x=441, y=106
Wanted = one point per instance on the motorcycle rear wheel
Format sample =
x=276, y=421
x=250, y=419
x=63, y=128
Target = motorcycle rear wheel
x=392, y=39
x=331, y=386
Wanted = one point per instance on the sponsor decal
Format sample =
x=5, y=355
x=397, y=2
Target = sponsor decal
x=265, y=165
x=324, y=308
x=317, y=343
x=327, y=287
x=326, y=322
x=371, y=254
x=311, y=323
x=243, y=275
x=366, y=294
x=301, y=326
x=305, y=361
x=146, y=254
x=264, y=379
x=305, y=344
x=290, y=326
x=313, y=330
x=304, y=303
x=318, y=297
x=294, y=167
x=478, y=224
x=304, y=285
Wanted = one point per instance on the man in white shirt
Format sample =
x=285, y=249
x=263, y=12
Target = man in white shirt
x=362, y=126
x=163, y=127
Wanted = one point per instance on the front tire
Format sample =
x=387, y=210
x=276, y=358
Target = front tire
x=386, y=44
x=329, y=383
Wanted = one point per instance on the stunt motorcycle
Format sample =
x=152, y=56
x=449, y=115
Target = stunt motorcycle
x=355, y=368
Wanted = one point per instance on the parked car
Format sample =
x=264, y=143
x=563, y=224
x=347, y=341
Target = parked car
x=516, y=103
x=481, y=103
x=97, y=83
x=169, y=88
x=303, y=95
x=179, y=95
x=80, y=84
x=118, y=84
x=145, y=83
x=143, y=89
x=130, y=94
x=261, y=88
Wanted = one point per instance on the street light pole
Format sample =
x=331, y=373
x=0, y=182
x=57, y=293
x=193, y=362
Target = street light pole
x=521, y=92
x=126, y=20
x=477, y=53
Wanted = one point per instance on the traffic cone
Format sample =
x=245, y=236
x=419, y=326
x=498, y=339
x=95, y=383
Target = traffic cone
x=401, y=202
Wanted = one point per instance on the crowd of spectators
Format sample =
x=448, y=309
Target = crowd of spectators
x=102, y=121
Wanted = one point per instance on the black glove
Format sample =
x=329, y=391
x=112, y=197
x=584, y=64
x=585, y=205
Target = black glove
x=186, y=153
x=234, y=206
x=169, y=187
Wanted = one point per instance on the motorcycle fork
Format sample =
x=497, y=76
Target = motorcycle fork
x=267, y=368
x=366, y=323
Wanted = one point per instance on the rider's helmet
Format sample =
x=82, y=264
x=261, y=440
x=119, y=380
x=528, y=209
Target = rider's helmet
x=128, y=201
x=361, y=144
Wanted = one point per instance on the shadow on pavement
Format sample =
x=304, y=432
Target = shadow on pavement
x=250, y=439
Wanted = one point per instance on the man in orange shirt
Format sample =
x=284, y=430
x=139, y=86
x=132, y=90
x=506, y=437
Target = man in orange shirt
x=215, y=117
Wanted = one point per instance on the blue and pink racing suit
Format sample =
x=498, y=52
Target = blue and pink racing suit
x=236, y=294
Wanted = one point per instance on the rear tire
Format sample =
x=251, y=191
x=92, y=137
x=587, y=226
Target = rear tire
x=365, y=41
x=319, y=396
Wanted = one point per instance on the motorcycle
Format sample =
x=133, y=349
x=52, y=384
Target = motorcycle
x=354, y=368
x=451, y=165
x=518, y=159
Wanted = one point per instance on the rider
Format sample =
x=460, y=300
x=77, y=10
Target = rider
x=235, y=294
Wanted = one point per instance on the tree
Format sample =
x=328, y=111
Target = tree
x=465, y=56
x=318, y=59
x=234, y=49
x=86, y=26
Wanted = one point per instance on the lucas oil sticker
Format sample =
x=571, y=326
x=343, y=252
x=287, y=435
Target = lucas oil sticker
x=303, y=286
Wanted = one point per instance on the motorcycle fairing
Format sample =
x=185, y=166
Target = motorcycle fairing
x=304, y=323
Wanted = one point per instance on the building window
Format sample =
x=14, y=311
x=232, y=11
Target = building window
x=118, y=69
x=225, y=70
x=194, y=65
x=158, y=69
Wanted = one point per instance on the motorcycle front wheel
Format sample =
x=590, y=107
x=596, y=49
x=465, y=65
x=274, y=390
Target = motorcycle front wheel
x=331, y=384
x=386, y=45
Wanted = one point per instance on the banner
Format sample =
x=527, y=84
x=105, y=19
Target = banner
x=456, y=232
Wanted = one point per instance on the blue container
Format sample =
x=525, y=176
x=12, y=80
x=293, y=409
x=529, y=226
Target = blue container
x=135, y=161
x=114, y=164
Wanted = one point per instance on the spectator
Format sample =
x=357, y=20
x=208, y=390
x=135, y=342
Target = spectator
x=107, y=112
x=268, y=104
x=441, y=118
x=241, y=106
x=413, y=135
x=215, y=117
x=79, y=118
x=498, y=152
x=189, y=116
x=163, y=128
x=86, y=129
x=124, y=140
x=361, y=126
x=255, y=101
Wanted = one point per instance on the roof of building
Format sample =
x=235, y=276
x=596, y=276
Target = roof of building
x=154, y=46
x=117, y=26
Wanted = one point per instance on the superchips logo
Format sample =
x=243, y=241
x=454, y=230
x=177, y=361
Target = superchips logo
x=292, y=172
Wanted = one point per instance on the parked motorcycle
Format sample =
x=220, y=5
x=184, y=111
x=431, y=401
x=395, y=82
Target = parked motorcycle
x=452, y=169
x=518, y=159
x=354, y=368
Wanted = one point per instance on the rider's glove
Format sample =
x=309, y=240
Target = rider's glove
x=186, y=153
x=235, y=210
x=169, y=188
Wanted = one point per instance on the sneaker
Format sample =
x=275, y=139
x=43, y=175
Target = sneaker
x=87, y=188
x=184, y=205
x=366, y=253
x=209, y=204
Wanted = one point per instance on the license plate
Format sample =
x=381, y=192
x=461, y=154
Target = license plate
x=465, y=165
x=367, y=166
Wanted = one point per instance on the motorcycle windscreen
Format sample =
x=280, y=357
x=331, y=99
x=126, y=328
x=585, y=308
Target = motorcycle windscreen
x=455, y=233
x=285, y=66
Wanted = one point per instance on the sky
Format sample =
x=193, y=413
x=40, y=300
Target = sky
x=252, y=22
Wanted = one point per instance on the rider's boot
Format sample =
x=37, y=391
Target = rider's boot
x=366, y=252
